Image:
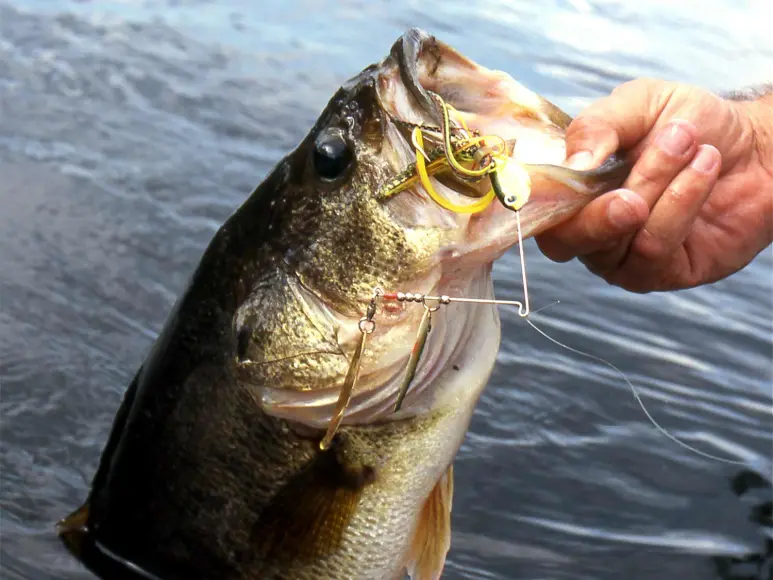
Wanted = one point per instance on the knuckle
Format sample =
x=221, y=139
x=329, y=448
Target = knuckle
x=644, y=176
x=633, y=278
x=621, y=89
x=674, y=192
x=605, y=262
x=594, y=266
x=654, y=170
x=586, y=121
x=585, y=128
x=687, y=188
x=631, y=283
x=651, y=281
x=610, y=247
x=598, y=233
x=629, y=87
x=669, y=279
x=638, y=86
x=649, y=247
x=561, y=256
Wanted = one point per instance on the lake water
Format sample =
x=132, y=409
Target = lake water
x=129, y=130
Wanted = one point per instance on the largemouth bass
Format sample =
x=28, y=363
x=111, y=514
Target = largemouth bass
x=213, y=468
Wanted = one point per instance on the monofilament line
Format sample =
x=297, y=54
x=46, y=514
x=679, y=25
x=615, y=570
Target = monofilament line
x=638, y=399
x=526, y=310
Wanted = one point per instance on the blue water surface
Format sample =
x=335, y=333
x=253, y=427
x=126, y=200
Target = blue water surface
x=129, y=130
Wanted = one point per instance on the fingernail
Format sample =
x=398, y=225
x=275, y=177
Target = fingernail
x=622, y=211
x=705, y=160
x=674, y=139
x=580, y=160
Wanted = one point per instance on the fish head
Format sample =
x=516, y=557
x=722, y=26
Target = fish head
x=343, y=230
x=348, y=234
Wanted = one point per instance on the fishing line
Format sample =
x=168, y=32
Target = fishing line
x=523, y=312
x=637, y=397
x=546, y=306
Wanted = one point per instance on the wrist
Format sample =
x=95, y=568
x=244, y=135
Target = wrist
x=764, y=130
x=757, y=112
x=754, y=112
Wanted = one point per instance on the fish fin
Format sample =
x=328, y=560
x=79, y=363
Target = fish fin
x=308, y=517
x=73, y=529
x=432, y=538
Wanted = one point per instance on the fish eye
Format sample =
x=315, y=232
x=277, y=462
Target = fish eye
x=332, y=154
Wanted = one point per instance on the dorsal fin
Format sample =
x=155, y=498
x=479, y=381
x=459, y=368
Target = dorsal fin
x=432, y=538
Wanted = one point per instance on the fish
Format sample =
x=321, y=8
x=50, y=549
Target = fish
x=214, y=467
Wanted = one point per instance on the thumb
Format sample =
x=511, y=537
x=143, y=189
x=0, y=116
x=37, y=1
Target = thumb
x=621, y=120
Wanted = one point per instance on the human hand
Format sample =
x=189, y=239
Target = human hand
x=697, y=205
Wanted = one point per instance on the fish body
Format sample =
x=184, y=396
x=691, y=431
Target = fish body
x=213, y=467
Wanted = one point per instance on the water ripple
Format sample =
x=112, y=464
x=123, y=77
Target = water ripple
x=130, y=131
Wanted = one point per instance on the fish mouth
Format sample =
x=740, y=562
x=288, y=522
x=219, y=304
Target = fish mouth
x=421, y=68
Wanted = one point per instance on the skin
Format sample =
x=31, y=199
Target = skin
x=697, y=206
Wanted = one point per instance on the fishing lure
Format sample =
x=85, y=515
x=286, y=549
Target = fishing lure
x=470, y=157
x=486, y=160
x=418, y=349
x=425, y=326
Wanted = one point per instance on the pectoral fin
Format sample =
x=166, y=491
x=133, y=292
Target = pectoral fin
x=432, y=538
x=307, y=518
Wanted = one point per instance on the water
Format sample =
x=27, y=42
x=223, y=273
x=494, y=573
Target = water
x=130, y=130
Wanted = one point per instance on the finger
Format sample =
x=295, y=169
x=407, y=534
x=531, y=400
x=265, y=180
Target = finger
x=608, y=220
x=674, y=213
x=607, y=261
x=589, y=140
x=619, y=121
x=673, y=148
x=657, y=167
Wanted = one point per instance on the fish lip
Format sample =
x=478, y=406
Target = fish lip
x=407, y=51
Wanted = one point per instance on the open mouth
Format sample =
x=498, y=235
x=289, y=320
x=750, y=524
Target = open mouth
x=470, y=124
x=459, y=124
